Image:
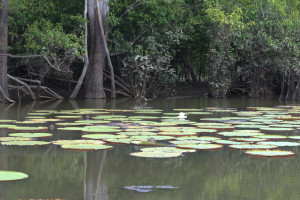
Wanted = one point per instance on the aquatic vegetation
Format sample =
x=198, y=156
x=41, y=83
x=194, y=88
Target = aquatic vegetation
x=86, y=147
x=269, y=153
x=25, y=143
x=12, y=176
x=31, y=135
x=200, y=146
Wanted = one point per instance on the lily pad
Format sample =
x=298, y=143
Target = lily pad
x=103, y=136
x=156, y=154
x=248, y=139
x=281, y=143
x=12, y=176
x=166, y=149
x=271, y=137
x=251, y=146
x=86, y=147
x=68, y=142
x=6, y=139
x=31, y=135
x=154, y=137
x=276, y=129
x=270, y=153
x=28, y=128
x=200, y=146
x=25, y=143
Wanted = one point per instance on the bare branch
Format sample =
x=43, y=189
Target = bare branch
x=57, y=67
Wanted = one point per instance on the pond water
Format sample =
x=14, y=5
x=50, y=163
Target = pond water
x=55, y=173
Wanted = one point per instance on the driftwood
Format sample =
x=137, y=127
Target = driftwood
x=23, y=84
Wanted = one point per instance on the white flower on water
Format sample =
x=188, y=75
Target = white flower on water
x=182, y=115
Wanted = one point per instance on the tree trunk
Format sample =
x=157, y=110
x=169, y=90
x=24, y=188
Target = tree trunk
x=94, y=78
x=3, y=45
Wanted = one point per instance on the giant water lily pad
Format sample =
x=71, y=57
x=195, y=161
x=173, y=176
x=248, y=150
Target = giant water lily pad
x=239, y=134
x=177, y=134
x=28, y=128
x=156, y=154
x=6, y=139
x=270, y=153
x=133, y=133
x=280, y=143
x=118, y=140
x=68, y=117
x=25, y=143
x=248, y=139
x=86, y=147
x=153, y=137
x=92, y=121
x=276, y=129
x=69, y=142
x=12, y=176
x=251, y=146
x=31, y=135
x=200, y=146
x=271, y=137
x=7, y=121
x=103, y=136
x=167, y=150
x=228, y=142
x=178, y=142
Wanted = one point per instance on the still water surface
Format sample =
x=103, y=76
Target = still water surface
x=101, y=175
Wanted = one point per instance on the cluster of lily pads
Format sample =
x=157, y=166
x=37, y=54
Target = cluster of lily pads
x=258, y=131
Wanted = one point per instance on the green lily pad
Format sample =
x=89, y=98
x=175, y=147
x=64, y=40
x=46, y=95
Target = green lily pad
x=7, y=139
x=133, y=133
x=7, y=121
x=86, y=147
x=8, y=126
x=296, y=137
x=12, y=176
x=177, y=134
x=69, y=142
x=255, y=126
x=118, y=140
x=93, y=121
x=155, y=137
x=271, y=137
x=103, y=136
x=270, y=153
x=228, y=142
x=31, y=135
x=65, y=124
x=156, y=154
x=248, y=139
x=187, y=110
x=239, y=134
x=281, y=143
x=25, y=143
x=166, y=149
x=178, y=142
x=68, y=117
x=275, y=129
x=251, y=146
x=28, y=128
x=200, y=146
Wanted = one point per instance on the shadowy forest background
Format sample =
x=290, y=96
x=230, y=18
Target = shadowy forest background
x=146, y=48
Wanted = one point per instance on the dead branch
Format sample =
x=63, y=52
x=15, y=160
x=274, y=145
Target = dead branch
x=48, y=91
x=119, y=84
x=118, y=92
x=23, y=84
x=56, y=67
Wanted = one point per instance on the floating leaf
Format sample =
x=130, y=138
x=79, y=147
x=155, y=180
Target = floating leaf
x=270, y=153
x=156, y=154
x=251, y=146
x=103, y=136
x=200, y=146
x=25, y=143
x=12, y=176
x=86, y=147
x=65, y=142
x=281, y=143
x=31, y=135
